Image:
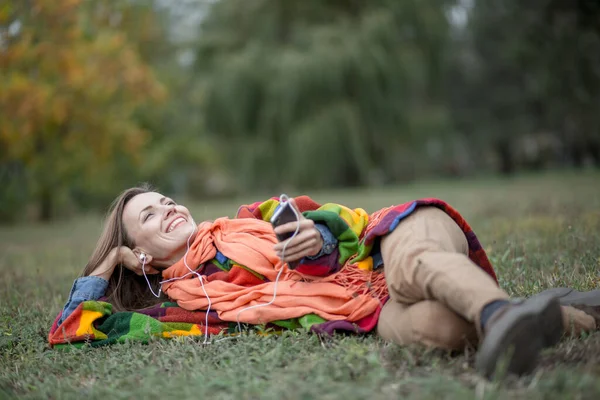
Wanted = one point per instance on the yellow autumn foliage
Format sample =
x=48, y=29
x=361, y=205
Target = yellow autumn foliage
x=70, y=85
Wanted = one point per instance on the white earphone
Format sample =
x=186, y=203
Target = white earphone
x=143, y=257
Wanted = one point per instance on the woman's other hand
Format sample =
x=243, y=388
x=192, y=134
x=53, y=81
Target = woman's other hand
x=132, y=261
x=308, y=242
x=122, y=255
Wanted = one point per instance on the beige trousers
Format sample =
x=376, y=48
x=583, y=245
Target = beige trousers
x=436, y=292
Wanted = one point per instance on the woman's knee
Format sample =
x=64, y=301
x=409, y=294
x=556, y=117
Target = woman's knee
x=426, y=229
x=428, y=323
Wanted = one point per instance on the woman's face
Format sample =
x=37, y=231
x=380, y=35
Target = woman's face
x=158, y=226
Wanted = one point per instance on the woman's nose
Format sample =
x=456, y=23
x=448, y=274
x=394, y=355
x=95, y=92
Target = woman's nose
x=170, y=209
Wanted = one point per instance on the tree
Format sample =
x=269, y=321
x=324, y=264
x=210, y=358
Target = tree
x=69, y=92
x=321, y=92
x=522, y=68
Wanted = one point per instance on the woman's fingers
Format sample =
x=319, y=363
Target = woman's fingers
x=149, y=270
x=302, y=236
x=291, y=227
x=131, y=261
x=138, y=270
x=305, y=244
x=306, y=249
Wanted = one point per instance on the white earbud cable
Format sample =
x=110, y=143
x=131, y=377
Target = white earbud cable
x=199, y=276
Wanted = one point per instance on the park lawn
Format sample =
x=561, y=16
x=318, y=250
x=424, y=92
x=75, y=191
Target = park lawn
x=540, y=231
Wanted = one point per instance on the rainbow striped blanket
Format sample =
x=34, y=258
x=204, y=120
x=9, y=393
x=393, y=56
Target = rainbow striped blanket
x=95, y=323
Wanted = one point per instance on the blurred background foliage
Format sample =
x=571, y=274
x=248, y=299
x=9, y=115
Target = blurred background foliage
x=218, y=97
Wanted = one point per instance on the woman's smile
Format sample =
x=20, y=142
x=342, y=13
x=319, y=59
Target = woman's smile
x=177, y=221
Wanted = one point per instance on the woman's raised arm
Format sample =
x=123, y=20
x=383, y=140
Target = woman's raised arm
x=93, y=286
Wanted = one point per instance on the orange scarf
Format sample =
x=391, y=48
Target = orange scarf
x=250, y=243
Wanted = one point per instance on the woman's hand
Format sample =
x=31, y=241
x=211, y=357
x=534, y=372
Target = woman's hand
x=125, y=256
x=130, y=260
x=308, y=242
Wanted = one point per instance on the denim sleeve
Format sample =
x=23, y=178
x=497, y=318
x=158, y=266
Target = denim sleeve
x=329, y=242
x=84, y=289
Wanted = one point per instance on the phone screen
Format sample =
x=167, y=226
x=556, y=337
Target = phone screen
x=282, y=216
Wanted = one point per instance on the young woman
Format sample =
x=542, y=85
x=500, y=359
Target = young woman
x=414, y=273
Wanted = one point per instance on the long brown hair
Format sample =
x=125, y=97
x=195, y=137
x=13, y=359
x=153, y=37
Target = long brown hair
x=126, y=290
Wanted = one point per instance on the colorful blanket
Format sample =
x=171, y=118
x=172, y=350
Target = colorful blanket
x=93, y=323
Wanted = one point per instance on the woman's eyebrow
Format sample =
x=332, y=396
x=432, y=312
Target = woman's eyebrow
x=161, y=201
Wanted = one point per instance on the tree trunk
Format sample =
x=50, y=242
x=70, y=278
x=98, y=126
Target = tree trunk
x=46, y=204
x=577, y=155
x=507, y=166
x=594, y=150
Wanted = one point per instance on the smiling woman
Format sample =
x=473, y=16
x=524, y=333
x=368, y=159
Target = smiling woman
x=158, y=227
x=114, y=264
x=144, y=223
x=414, y=273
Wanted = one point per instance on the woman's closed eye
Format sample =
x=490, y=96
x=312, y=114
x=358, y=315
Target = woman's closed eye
x=150, y=214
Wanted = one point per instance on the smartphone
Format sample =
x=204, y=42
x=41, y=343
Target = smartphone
x=284, y=215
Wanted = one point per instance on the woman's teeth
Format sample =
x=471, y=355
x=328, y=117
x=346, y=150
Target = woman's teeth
x=175, y=224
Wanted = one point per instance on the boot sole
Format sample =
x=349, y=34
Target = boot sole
x=517, y=338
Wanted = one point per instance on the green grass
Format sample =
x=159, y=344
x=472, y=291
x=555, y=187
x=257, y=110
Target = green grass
x=540, y=231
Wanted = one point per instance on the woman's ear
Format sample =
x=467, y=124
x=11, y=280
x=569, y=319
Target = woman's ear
x=142, y=256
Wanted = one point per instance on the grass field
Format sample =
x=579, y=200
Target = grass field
x=540, y=231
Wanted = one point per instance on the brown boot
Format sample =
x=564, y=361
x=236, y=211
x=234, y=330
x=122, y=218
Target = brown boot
x=517, y=333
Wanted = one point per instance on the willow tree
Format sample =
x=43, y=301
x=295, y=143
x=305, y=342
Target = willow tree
x=320, y=92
